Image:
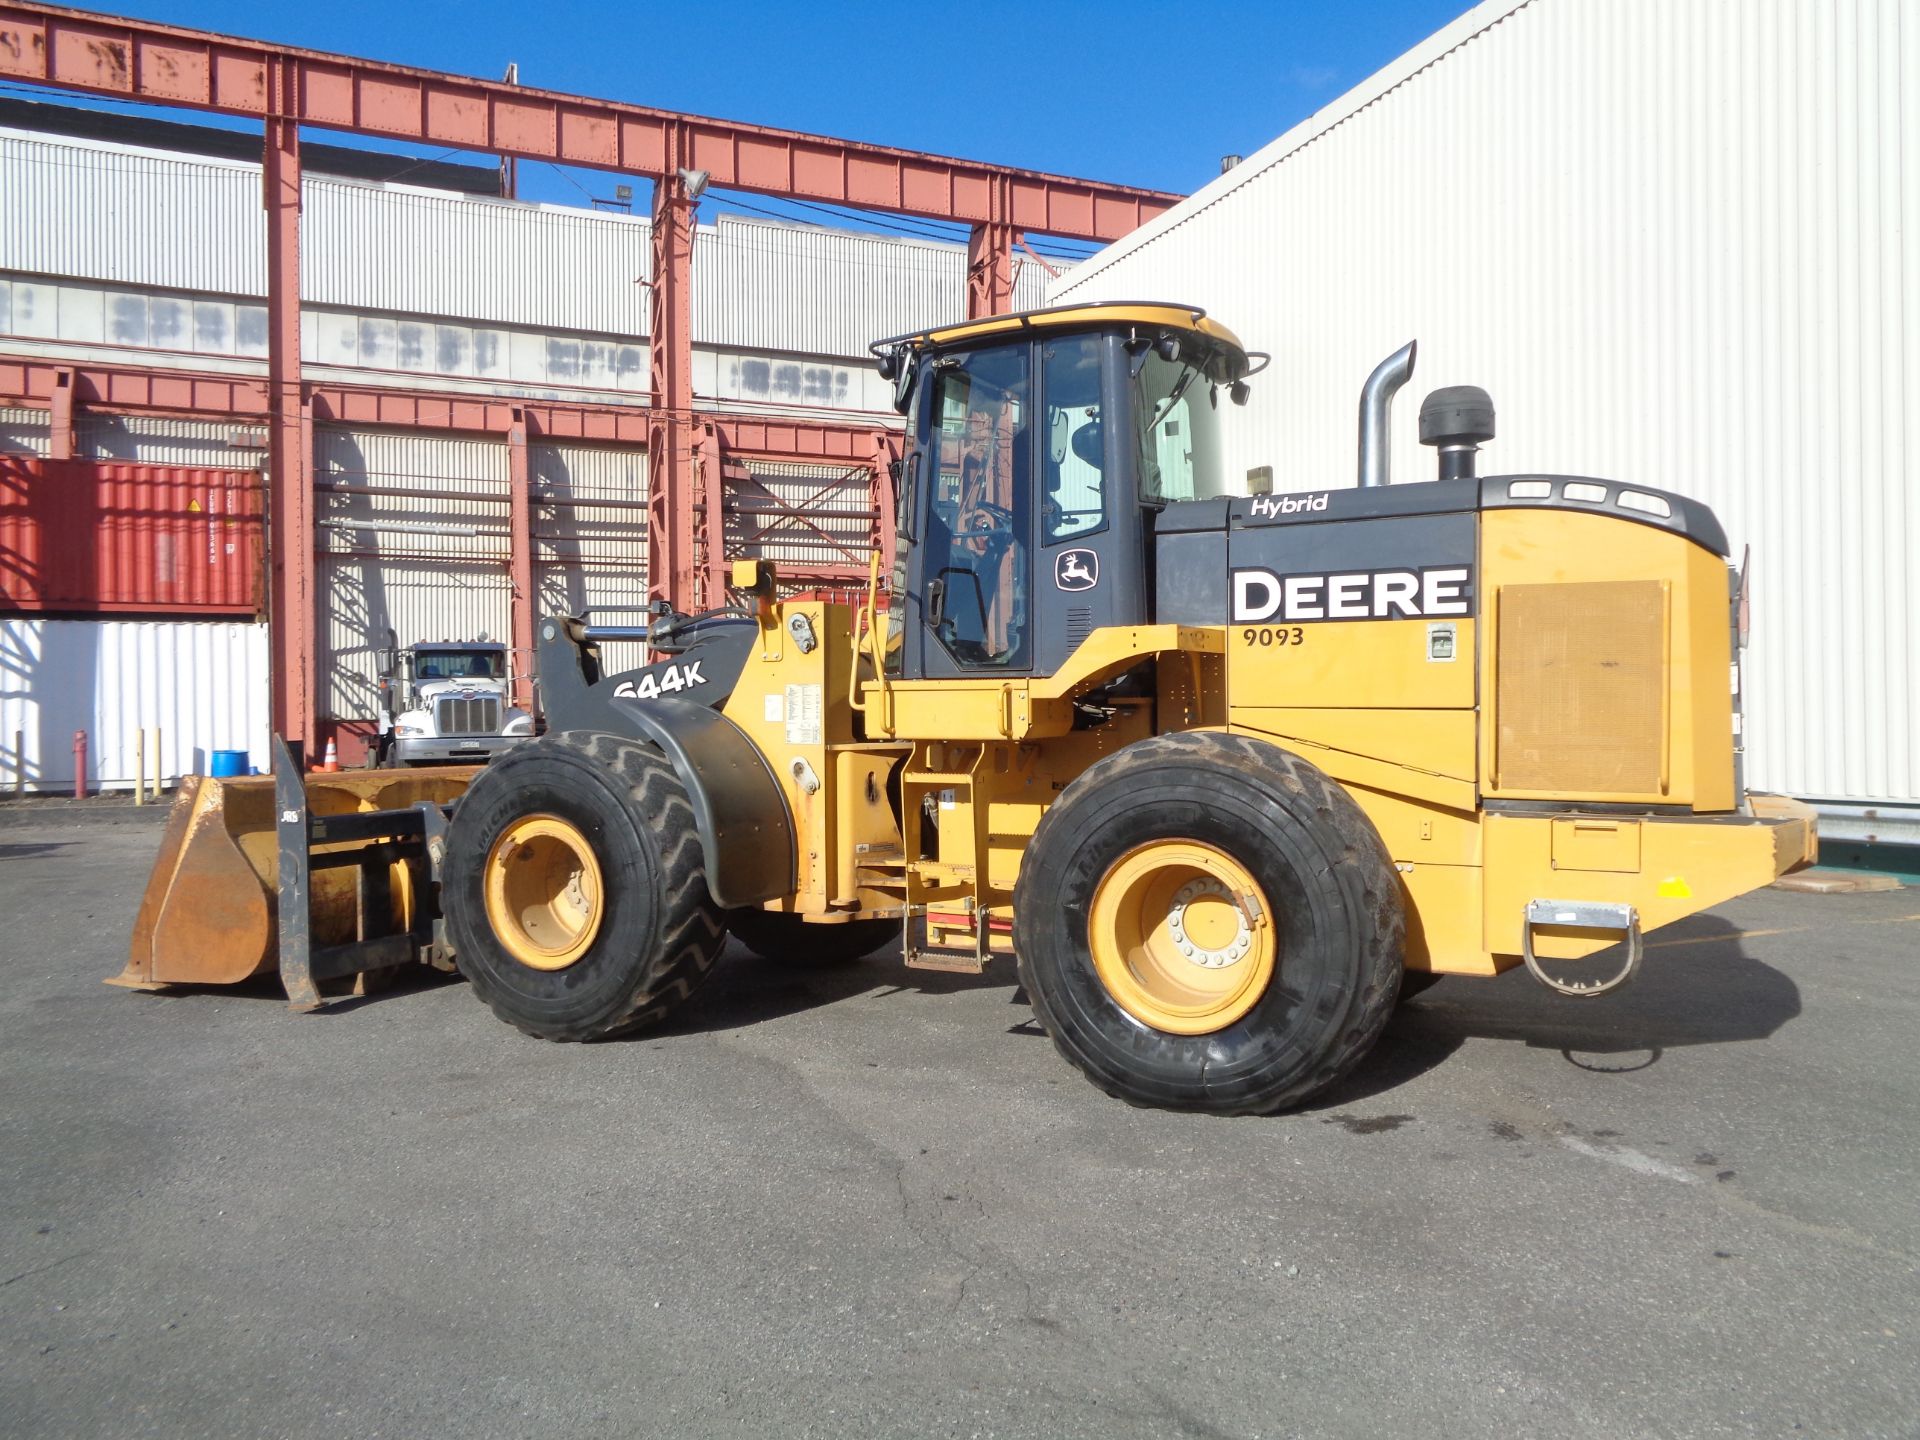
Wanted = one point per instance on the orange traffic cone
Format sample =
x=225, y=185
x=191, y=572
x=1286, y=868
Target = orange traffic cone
x=332, y=762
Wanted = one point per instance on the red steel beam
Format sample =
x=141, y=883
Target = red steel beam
x=135, y=389
x=171, y=65
x=29, y=381
x=293, y=603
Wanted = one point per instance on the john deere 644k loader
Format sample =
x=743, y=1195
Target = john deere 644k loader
x=1215, y=771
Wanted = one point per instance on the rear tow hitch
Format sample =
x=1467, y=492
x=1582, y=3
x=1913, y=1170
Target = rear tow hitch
x=1582, y=915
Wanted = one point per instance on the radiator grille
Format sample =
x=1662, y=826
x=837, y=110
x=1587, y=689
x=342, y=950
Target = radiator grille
x=477, y=716
x=1079, y=624
x=1580, y=689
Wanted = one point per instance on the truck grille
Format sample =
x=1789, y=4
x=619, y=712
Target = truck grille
x=478, y=716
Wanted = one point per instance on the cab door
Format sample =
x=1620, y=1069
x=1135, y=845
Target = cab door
x=969, y=607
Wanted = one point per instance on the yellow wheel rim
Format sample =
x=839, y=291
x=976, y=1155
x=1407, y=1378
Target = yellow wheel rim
x=543, y=892
x=1182, y=937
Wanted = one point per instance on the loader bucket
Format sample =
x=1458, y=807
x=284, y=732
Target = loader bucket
x=212, y=909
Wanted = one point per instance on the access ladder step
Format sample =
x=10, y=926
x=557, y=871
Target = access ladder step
x=954, y=962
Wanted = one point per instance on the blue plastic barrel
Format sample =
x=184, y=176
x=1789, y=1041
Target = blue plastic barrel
x=227, y=762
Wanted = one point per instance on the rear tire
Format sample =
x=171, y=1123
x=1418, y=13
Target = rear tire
x=1163, y=852
x=575, y=890
x=776, y=936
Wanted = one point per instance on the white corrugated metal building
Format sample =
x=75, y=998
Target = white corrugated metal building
x=127, y=254
x=1679, y=244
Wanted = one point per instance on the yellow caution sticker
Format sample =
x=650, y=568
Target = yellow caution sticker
x=193, y=507
x=1675, y=888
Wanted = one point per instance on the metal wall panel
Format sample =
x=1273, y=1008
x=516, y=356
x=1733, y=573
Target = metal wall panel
x=136, y=216
x=24, y=432
x=193, y=223
x=385, y=247
x=804, y=289
x=1679, y=244
x=413, y=538
x=592, y=556
x=153, y=440
x=762, y=285
x=802, y=516
x=380, y=251
x=203, y=684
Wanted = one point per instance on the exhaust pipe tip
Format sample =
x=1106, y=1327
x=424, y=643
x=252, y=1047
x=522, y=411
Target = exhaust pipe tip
x=1376, y=406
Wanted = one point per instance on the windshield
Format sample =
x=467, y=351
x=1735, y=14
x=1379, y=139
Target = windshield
x=1179, y=431
x=459, y=665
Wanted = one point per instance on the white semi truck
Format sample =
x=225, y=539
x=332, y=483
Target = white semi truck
x=446, y=702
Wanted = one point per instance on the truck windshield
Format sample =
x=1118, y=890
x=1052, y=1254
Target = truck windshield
x=1179, y=432
x=459, y=665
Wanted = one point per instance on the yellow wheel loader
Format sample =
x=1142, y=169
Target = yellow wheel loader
x=1219, y=773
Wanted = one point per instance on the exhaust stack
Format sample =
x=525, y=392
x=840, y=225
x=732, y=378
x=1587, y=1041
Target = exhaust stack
x=1376, y=404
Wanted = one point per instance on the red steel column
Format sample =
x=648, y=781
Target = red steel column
x=887, y=449
x=671, y=562
x=60, y=417
x=711, y=457
x=990, y=258
x=293, y=603
x=524, y=593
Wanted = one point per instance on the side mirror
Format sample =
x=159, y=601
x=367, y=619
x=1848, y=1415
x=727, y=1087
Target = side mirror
x=1087, y=444
x=384, y=660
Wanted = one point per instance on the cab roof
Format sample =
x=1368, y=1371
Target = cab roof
x=1100, y=314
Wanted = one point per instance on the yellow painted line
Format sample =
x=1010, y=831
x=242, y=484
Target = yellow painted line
x=1730, y=935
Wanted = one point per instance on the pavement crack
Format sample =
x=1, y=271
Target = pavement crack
x=43, y=1269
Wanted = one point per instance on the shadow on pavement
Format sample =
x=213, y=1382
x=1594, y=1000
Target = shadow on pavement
x=1698, y=986
x=22, y=850
x=745, y=989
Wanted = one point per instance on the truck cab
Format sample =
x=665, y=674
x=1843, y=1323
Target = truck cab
x=446, y=702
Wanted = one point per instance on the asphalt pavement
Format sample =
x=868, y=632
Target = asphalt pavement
x=866, y=1201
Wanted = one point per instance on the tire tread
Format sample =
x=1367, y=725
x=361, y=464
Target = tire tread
x=1382, y=926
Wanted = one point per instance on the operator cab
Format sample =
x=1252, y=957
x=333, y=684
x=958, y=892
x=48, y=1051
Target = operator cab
x=1041, y=448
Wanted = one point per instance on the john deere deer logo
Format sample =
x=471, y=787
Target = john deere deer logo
x=1076, y=569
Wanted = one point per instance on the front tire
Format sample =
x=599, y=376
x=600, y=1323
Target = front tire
x=1207, y=922
x=575, y=890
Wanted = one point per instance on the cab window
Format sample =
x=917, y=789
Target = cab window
x=979, y=512
x=1073, y=486
x=1179, y=432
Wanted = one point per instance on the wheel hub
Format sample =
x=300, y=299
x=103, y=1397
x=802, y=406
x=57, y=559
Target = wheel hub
x=1182, y=937
x=543, y=892
x=1213, y=911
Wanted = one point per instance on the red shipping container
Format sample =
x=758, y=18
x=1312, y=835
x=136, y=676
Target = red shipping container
x=102, y=537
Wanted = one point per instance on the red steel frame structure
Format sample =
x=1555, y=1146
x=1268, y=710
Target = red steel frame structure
x=286, y=88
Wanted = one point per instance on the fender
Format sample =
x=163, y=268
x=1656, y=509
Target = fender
x=575, y=695
x=746, y=832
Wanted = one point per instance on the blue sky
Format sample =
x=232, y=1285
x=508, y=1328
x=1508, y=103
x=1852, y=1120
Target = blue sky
x=1132, y=92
